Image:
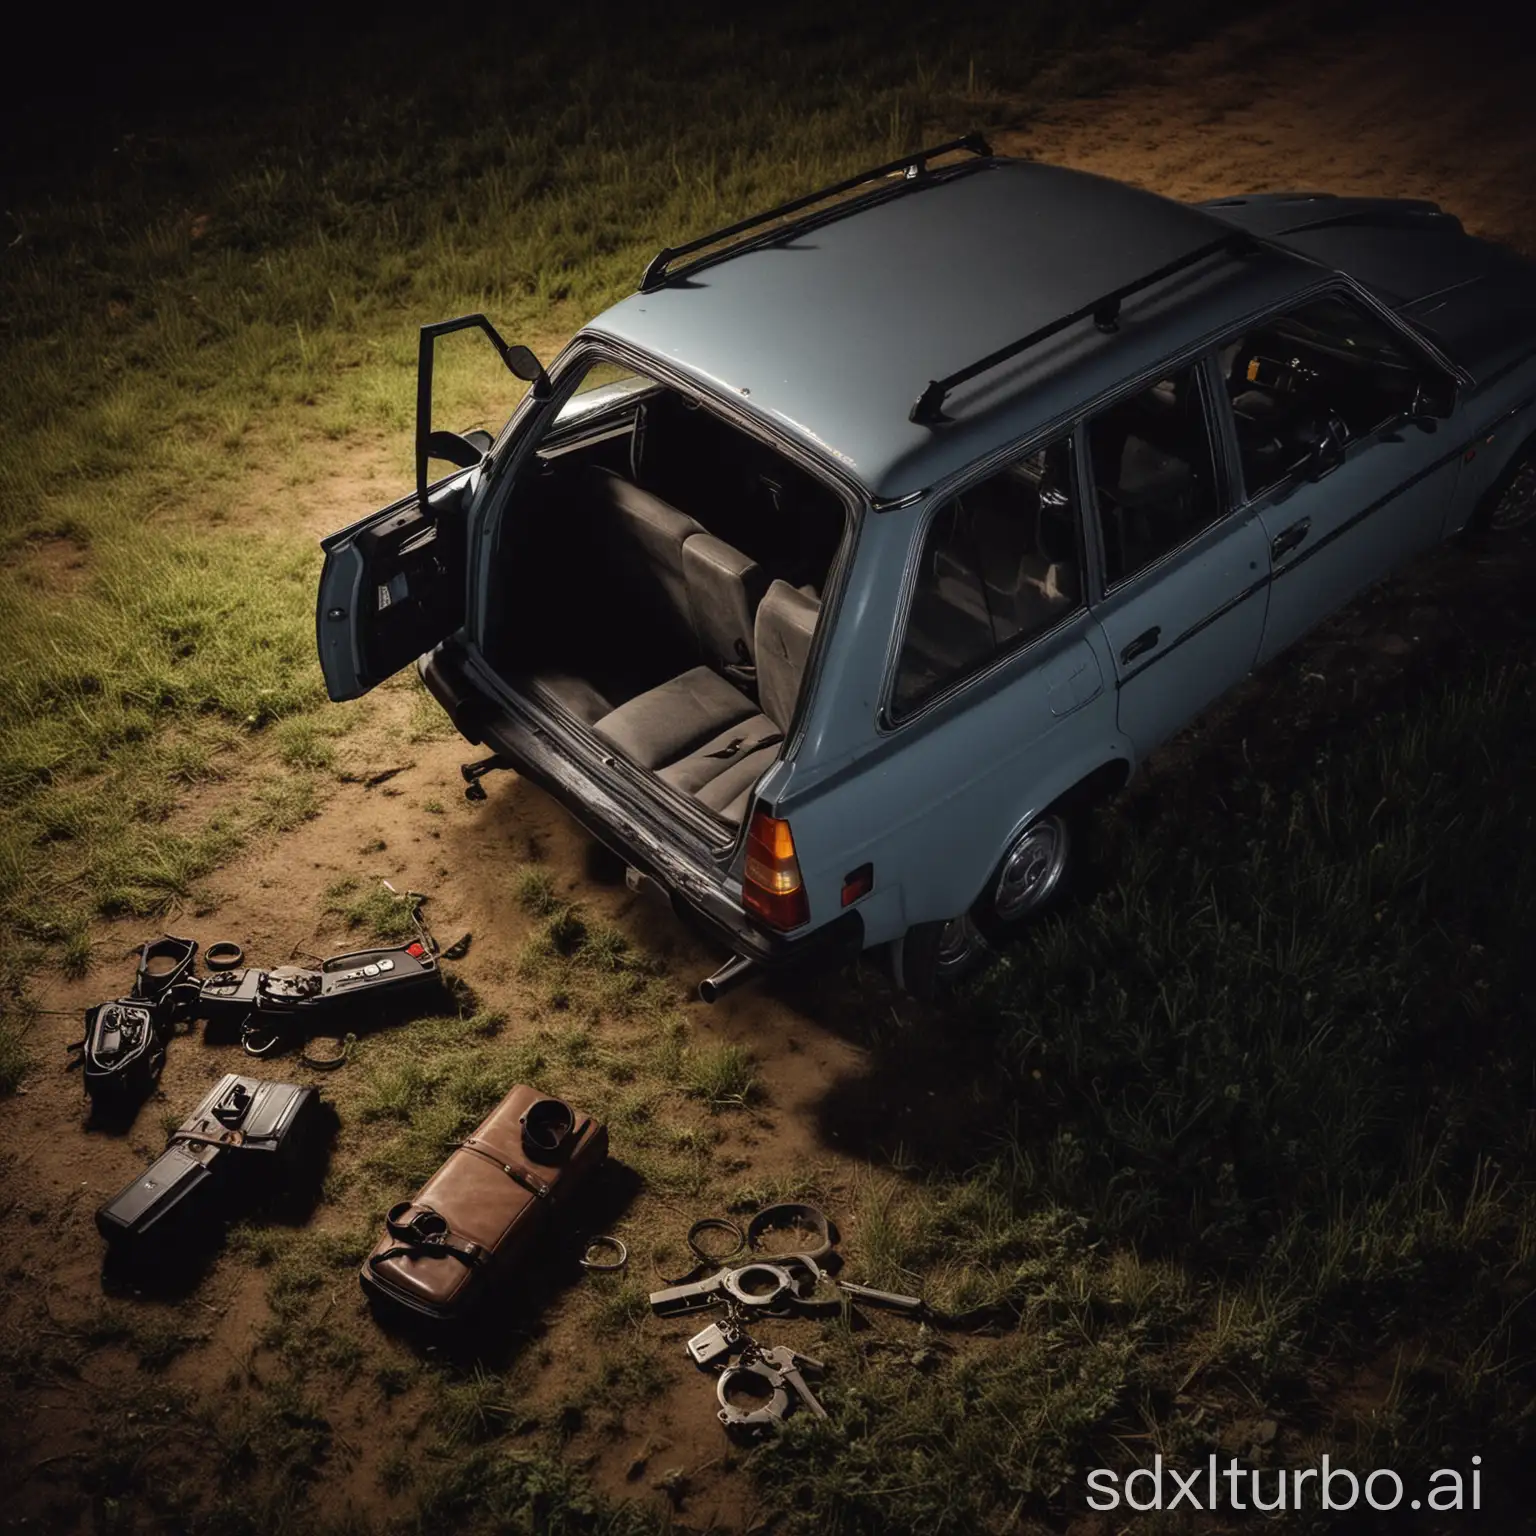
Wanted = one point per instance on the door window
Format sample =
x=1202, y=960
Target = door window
x=1000, y=566
x=1154, y=474
x=1326, y=370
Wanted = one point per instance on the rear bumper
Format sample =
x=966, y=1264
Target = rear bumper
x=695, y=886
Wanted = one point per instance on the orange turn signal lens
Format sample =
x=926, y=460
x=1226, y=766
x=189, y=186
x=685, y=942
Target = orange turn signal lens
x=771, y=885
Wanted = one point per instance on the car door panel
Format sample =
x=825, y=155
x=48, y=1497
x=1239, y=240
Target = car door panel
x=1344, y=430
x=392, y=586
x=1332, y=538
x=1183, y=612
x=1187, y=630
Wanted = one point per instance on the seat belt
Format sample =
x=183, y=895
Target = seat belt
x=739, y=746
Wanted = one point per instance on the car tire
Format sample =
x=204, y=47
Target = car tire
x=1035, y=874
x=1511, y=503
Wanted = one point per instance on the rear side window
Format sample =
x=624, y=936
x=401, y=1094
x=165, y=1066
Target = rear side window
x=1000, y=566
x=1154, y=474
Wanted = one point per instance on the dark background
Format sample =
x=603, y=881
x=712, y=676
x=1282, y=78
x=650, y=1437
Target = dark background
x=77, y=86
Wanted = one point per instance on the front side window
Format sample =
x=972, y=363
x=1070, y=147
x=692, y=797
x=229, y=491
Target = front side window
x=1326, y=368
x=1000, y=565
x=1154, y=474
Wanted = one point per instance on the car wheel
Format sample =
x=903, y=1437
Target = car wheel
x=962, y=949
x=1033, y=872
x=1030, y=878
x=1515, y=505
x=933, y=957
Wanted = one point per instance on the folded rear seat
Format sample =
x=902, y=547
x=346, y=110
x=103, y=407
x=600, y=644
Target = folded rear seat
x=669, y=722
x=724, y=590
x=701, y=734
x=641, y=538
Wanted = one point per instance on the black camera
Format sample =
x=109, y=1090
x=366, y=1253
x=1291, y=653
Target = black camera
x=123, y=1048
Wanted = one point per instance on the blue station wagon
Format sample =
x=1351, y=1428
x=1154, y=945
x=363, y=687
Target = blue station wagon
x=828, y=578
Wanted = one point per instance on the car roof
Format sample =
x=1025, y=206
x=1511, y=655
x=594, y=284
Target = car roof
x=830, y=332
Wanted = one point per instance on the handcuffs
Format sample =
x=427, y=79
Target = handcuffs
x=604, y=1244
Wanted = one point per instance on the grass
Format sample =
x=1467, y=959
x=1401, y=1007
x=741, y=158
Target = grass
x=1249, y=1155
x=722, y=1075
x=477, y=1409
x=385, y=915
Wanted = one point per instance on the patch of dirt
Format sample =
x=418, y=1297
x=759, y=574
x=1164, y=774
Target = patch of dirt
x=1402, y=108
x=1405, y=110
x=57, y=565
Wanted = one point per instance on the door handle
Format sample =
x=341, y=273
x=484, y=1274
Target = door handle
x=1288, y=538
x=1142, y=643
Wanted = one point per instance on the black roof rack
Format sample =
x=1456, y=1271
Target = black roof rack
x=914, y=165
x=928, y=410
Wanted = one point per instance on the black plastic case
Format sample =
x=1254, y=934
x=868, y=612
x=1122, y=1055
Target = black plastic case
x=246, y=1132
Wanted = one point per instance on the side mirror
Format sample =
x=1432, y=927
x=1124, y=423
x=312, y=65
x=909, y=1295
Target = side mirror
x=521, y=361
x=463, y=452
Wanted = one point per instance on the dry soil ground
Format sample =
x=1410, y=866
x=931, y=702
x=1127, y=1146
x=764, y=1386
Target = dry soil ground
x=1398, y=113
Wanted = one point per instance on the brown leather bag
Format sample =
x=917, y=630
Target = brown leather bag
x=479, y=1217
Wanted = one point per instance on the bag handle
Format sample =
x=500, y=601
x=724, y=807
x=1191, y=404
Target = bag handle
x=422, y=1232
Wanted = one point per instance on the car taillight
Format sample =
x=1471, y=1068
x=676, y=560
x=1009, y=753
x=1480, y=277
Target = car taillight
x=770, y=884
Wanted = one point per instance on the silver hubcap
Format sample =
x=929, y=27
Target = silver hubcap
x=1517, y=506
x=1030, y=874
x=1032, y=870
x=959, y=944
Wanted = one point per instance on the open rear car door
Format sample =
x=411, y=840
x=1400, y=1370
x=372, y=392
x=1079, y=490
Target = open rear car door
x=394, y=584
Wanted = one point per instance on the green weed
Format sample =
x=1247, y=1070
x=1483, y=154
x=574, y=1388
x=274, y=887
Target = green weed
x=385, y=915
x=724, y=1076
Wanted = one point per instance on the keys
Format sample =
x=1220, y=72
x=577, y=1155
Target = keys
x=787, y=1363
x=874, y=1298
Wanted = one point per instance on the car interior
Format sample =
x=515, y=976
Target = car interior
x=1153, y=472
x=1326, y=364
x=1000, y=564
x=661, y=578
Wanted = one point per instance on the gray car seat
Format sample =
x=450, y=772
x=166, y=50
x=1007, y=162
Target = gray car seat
x=724, y=589
x=641, y=537
x=702, y=735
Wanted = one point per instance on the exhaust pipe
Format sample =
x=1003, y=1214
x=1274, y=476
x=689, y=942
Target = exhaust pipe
x=731, y=975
